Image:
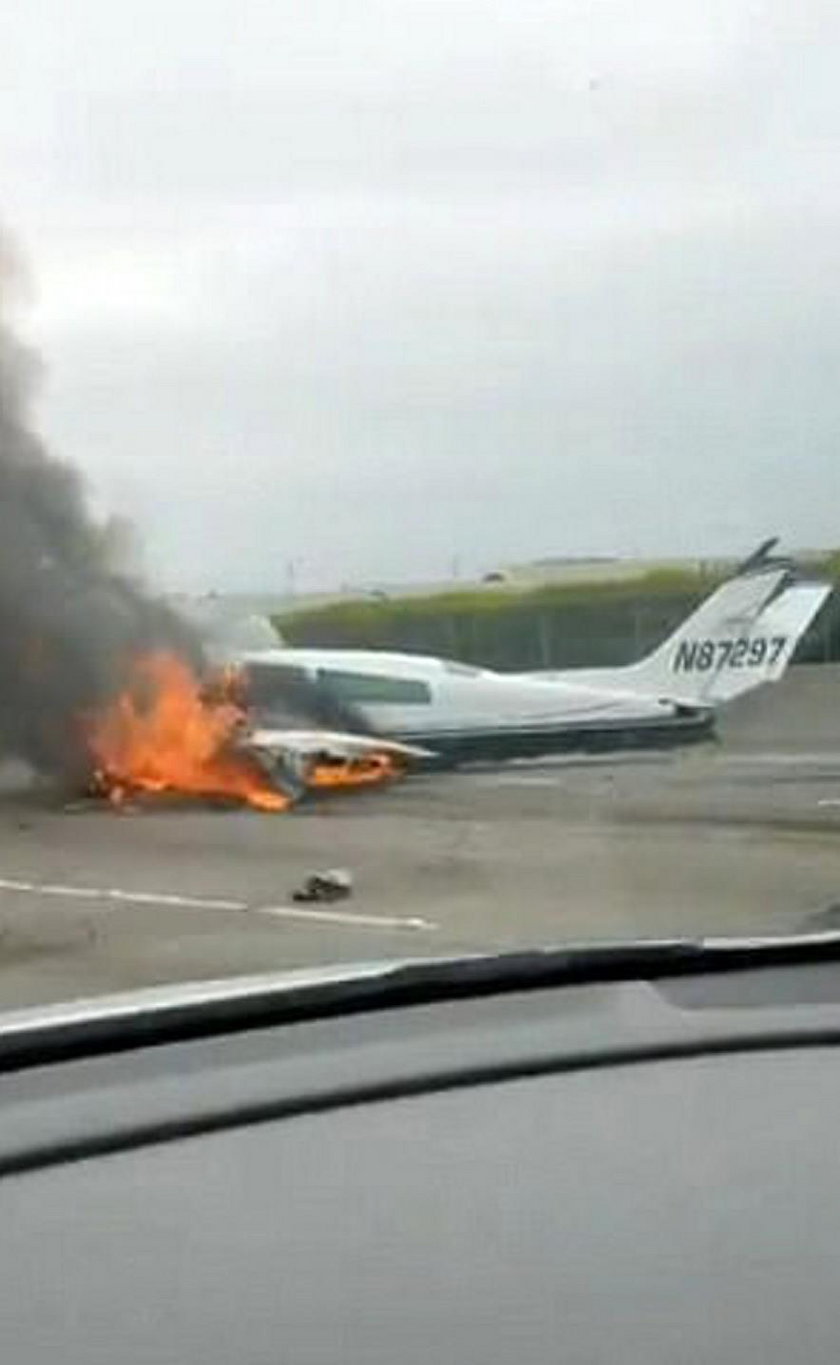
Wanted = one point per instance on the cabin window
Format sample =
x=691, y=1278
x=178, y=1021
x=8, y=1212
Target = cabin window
x=375, y=690
x=269, y=683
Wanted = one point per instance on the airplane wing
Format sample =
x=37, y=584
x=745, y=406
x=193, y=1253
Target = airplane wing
x=333, y=744
x=298, y=761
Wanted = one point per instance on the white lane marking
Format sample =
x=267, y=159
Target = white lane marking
x=340, y=917
x=119, y=895
x=115, y=893
x=167, y=898
x=806, y=759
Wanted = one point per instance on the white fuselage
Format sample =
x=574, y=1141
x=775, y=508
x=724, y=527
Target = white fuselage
x=455, y=708
x=740, y=637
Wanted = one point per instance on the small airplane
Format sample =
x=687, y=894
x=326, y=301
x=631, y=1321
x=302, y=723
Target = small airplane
x=414, y=709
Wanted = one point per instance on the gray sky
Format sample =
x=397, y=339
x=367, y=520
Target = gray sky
x=371, y=285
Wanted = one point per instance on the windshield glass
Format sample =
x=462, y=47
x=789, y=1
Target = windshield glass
x=417, y=481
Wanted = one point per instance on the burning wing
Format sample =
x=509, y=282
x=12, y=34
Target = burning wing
x=302, y=760
x=334, y=743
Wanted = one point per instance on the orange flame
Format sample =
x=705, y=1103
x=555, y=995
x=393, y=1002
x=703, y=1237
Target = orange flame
x=162, y=735
x=359, y=772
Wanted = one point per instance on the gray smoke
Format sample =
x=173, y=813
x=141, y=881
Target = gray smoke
x=70, y=623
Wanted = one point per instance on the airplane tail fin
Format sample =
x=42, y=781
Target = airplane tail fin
x=741, y=636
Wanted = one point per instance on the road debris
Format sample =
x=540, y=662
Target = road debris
x=336, y=884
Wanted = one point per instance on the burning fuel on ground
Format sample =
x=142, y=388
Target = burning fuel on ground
x=163, y=733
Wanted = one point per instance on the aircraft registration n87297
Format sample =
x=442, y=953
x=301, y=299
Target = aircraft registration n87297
x=741, y=653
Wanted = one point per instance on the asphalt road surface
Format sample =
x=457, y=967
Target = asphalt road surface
x=742, y=836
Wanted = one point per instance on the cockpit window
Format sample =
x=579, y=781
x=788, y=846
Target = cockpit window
x=272, y=683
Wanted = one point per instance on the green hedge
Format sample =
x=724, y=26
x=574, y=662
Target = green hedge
x=558, y=626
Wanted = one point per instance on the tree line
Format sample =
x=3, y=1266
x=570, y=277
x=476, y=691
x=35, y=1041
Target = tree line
x=558, y=626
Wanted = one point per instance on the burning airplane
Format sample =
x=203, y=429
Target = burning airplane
x=166, y=733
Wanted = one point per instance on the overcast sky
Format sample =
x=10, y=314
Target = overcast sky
x=369, y=285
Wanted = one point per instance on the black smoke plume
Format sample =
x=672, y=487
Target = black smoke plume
x=70, y=623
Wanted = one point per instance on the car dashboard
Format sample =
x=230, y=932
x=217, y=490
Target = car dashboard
x=633, y=1170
